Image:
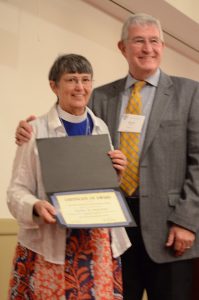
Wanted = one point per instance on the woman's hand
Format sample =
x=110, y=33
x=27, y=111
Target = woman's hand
x=45, y=210
x=119, y=161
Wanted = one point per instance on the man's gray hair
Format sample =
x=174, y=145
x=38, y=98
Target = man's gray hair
x=140, y=19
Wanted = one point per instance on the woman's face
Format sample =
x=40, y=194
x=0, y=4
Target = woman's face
x=73, y=91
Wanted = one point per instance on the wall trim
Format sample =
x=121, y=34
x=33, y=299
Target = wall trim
x=8, y=227
x=178, y=28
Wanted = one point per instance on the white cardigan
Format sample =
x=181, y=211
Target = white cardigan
x=26, y=187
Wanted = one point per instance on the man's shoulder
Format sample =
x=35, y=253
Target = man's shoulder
x=179, y=81
x=177, y=84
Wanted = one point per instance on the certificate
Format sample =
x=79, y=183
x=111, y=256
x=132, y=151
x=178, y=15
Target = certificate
x=81, y=183
x=88, y=209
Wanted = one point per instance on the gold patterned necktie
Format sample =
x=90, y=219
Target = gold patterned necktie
x=129, y=144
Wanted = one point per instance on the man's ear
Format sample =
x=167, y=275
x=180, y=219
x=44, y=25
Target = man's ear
x=122, y=47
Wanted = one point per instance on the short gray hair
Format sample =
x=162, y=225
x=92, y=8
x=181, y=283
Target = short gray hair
x=69, y=63
x=140, y=19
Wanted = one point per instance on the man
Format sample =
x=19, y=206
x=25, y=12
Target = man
x=166, y=202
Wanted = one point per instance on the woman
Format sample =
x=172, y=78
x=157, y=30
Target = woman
x=52, y=262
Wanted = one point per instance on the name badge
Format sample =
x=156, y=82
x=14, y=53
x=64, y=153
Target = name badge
x=131, y=123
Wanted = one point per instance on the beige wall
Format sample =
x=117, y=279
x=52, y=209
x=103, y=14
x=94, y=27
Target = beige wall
x=32, y=34
x=188, y=7
x=8, y=231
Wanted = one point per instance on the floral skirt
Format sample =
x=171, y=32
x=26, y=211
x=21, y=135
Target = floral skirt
x=89, y=273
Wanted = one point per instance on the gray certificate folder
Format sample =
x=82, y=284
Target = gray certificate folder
x=78, y=164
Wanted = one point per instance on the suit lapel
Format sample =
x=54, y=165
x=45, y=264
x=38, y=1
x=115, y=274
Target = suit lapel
x=114, y=107
x=162, y=99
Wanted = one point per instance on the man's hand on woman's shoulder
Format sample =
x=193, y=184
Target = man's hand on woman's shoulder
x=23, y=131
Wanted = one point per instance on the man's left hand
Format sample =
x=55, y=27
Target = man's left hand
x=180, y=239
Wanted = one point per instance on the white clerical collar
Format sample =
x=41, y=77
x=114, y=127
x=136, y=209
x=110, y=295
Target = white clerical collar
x=71, y=118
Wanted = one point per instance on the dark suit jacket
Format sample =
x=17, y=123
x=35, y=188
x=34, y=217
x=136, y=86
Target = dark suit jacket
x=169, y=163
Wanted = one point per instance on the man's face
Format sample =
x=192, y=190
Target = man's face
x=143, y=50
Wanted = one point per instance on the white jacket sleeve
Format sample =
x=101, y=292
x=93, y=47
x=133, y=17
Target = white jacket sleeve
x=22, y=191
